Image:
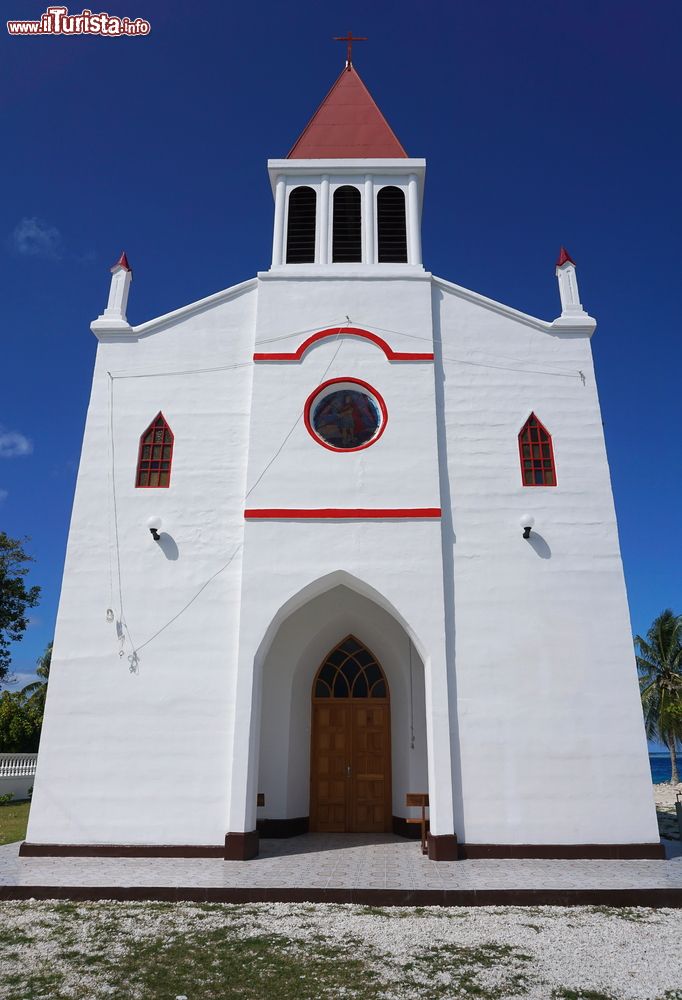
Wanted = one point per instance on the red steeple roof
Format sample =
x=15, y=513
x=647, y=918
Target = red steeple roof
x=347, y=125
x=564, y=258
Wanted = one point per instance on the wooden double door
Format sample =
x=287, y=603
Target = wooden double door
x=350, y=763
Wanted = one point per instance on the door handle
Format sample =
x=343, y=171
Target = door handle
x=348, y=770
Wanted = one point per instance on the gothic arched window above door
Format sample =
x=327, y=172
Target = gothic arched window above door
x=350, y=671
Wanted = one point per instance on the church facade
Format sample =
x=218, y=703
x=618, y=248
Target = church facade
x=341, y=533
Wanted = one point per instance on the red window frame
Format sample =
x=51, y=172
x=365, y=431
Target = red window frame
x=149, y=465
x=313, y=397
x=536, y=454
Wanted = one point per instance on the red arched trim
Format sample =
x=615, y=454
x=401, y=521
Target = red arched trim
x=356, y=381
x=536, y=453
x=345, y=331
x=155, y=455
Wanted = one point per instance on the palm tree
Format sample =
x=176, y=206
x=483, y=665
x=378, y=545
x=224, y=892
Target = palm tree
x=34, y=694
x=659, y=661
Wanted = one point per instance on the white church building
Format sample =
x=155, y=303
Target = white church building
x=341, y=533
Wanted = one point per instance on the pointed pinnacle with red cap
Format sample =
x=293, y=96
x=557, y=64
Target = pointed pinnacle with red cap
x=565, y=258
x=123, y=262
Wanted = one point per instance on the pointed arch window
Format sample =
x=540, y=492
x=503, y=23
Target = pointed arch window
x=347, y=226
x=156, y=455
x=537, y=454
x=350, y=671
x=301, y=226
x=391, y=226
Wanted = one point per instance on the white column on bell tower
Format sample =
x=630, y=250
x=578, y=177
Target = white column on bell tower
x=278, y=236
x=324, y=219
x=414, y=248
x=368, y=219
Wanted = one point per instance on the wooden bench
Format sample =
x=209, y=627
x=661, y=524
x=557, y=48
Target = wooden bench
x=418, y=800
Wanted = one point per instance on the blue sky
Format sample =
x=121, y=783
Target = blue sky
x=542, y=123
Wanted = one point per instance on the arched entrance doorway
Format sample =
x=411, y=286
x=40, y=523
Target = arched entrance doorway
x=350, y=758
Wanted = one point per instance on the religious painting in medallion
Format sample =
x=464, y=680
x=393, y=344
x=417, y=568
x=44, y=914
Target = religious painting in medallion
x=345, y=415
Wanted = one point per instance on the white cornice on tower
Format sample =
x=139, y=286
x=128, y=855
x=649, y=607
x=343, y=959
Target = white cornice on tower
x=346, y=167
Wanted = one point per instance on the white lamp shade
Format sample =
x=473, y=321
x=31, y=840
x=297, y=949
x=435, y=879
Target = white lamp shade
x=154, y=523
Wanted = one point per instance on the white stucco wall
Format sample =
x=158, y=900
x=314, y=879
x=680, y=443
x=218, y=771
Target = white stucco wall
x=401, y=469
x=144, y=757
x=528, y=720
x=551, y=735
x=397, y=560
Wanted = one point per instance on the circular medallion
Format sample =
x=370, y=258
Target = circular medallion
x=345, y=414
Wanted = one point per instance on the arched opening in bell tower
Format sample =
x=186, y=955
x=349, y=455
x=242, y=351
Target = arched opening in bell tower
x=347, y=226
x=391, y=226
x=301, y=226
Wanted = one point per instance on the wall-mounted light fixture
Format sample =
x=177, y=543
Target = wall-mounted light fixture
x=527, y=523
x=154, y=524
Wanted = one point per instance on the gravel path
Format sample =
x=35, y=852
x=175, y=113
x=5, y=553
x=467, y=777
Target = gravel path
x=536, y=953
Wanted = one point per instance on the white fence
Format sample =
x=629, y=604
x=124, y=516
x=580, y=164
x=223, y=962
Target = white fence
x=17, y=772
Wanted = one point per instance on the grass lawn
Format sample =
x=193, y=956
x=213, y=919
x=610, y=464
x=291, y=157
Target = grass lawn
x=13, y=821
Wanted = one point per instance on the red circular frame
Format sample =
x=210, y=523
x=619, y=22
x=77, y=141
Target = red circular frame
x=334, y=381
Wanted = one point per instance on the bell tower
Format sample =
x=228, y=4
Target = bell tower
x=347, y=194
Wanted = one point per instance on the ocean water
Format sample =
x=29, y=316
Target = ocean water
x=660, y=767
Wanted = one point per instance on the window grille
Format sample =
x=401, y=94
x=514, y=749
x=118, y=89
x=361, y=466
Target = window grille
x=301, y=226
x=156, y=455
x=537, y=454
x=350, y=671
x=347, y=226
x=391, y=226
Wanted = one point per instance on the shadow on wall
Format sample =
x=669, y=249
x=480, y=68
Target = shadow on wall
x=538, y=543
x=168, y=546
x=448, y=542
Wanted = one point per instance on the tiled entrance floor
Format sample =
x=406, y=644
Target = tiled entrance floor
x=343, y=868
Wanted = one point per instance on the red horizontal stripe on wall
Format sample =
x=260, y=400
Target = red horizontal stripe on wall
x=346, y=331
x=348, y=513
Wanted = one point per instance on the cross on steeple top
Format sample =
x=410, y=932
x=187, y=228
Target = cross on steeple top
x=349, y=39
